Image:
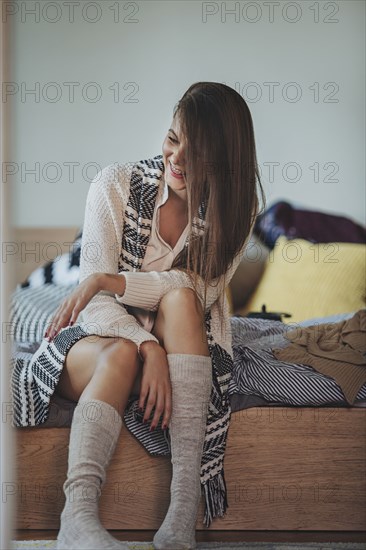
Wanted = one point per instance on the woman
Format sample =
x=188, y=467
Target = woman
x=161, y=240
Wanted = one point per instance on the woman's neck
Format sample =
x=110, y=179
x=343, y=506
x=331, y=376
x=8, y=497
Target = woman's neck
x=179, y=198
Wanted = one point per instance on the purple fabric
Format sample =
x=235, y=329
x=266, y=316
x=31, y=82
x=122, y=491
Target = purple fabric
x=317, y=227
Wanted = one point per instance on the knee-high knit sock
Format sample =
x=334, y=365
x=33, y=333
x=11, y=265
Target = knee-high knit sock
x=191, y=380
x=95, y=429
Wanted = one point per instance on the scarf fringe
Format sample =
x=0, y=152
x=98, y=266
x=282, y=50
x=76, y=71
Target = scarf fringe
x=215, y=498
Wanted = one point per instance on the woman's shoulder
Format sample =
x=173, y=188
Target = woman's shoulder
x=113, y=177
x=118, y=175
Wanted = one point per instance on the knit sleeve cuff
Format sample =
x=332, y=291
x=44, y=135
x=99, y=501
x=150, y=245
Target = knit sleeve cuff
x=143, y=289
x=147, y=338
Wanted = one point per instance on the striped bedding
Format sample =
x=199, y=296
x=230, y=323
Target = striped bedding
x=258, y=378
x=266, y=380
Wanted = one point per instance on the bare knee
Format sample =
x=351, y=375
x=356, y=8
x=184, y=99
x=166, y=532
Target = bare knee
x=119, y=357
x=88, y=355
x=180, y=301
x=180, y=323
x=116, y=368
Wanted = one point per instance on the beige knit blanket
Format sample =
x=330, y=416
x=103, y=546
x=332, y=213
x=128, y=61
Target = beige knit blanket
x=337, y=350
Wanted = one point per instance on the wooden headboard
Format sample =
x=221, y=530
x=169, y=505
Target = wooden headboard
x=35, y=246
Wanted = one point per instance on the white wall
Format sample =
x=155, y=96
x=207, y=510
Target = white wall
x=170, y=45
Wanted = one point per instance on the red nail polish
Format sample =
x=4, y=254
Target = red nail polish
x=164, y=426
x=152, y=428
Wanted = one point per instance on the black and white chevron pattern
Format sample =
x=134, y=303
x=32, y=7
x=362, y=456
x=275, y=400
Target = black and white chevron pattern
x=34, y=377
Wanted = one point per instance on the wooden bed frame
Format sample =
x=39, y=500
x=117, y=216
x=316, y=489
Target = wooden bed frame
x=292, y=473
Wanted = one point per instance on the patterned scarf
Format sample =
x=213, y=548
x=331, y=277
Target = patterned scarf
x=145, y=180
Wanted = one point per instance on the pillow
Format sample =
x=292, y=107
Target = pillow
x=282, y=218
x=63, y=270
x=311, y=280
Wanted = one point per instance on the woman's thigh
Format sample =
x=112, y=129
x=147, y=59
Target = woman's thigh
x=80, y=364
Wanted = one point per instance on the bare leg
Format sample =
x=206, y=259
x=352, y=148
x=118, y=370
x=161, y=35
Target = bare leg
x=179, y=325
x=99, y=373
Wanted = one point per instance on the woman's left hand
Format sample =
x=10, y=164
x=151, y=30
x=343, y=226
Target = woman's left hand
x=69, y=309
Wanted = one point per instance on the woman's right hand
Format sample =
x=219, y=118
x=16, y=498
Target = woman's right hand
x=70, y=308
x=155, y=384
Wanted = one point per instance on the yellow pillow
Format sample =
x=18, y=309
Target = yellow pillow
x=312, y=279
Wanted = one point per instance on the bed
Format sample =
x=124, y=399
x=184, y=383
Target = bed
x=295, y=467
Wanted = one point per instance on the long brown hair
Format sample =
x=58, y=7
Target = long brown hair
x=221, y=178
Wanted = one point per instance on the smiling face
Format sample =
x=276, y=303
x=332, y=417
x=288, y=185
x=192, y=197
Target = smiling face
x=173, y=157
